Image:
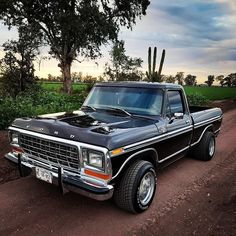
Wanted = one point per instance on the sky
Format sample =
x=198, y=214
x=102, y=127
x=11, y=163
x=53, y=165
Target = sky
x=199, y=37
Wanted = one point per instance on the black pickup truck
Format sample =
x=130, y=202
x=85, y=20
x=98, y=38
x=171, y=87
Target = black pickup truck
x=116, y=143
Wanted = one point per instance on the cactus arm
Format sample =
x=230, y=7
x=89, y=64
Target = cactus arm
x=154, y=60
x=161, y=62
x=150, y=61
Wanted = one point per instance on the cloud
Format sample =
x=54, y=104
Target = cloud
x=199, y=37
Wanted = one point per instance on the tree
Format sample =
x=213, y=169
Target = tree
x=77, y=76
x=220, y=79
x=230, y=80
x=170, y=79
x=123, y=67
x=210, y=80
x=74, y=28
x=190, y=80
x=17, y=65
x=180, y=78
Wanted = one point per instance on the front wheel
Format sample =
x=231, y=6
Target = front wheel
x=137, y=187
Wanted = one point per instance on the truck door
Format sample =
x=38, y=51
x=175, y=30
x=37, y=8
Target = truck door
x=178, y=123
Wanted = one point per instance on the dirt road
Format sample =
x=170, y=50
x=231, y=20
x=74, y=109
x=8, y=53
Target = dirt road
x=193, y=198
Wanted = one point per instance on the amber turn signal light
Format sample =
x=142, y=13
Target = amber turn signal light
x=97, y=175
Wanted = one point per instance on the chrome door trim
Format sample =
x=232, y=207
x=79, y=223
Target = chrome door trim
x=201, y=135
x=133, y=155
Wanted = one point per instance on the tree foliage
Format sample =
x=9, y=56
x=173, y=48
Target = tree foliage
x=190, y=80
x=17, y=68
x=230, y=80
x=220, y=79
x=210, y=80
x=179, y=77
x=74, y=27
x=123, y=67
x=170, y=79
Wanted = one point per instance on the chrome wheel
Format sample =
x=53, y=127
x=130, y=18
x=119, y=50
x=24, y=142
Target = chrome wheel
x=146, y=188
x=211, y=147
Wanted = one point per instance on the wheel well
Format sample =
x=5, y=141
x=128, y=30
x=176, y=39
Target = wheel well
x=148, y=155
x=209, y=129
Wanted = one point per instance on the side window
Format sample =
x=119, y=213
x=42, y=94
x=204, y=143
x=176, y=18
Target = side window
x=175, y=104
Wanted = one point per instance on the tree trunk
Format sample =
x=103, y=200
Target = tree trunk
x=66, y=75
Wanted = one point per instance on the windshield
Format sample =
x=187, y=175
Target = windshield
x=140, y=101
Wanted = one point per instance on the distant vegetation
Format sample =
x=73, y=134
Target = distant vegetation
x=212, y=93
x=57, y=86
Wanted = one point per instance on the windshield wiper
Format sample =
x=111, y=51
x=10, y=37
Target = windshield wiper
x=87, y=107
x=118, y=110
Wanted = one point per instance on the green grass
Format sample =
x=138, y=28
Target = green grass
x=212, y=93
x=57, y=86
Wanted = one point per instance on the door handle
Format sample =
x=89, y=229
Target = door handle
x=187, y=121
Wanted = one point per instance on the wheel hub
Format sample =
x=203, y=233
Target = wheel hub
x=211, y=147
x=146, y=188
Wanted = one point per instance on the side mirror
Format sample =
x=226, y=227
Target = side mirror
x=177, y=115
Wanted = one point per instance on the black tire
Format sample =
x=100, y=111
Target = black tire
x=128, y=190
x=203, y=150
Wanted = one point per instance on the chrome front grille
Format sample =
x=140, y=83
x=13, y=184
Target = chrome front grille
x=51, y=152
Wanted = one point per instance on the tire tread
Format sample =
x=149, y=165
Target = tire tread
x=200, y=152
x=123, y=195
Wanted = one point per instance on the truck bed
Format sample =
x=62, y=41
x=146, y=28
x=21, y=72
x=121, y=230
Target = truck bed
x=203, y=115
x=193, y=109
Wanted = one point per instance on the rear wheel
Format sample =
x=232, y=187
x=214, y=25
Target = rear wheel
x=137, y=187
x=205, y=150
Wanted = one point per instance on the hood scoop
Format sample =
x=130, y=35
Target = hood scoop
x=82, y=121
x=103, y=130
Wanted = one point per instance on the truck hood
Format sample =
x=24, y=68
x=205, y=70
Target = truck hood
x=96, y=128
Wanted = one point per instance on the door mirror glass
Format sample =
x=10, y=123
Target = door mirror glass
x=179, y=115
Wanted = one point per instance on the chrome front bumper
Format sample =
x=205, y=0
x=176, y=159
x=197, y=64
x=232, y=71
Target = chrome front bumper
x=67, y=181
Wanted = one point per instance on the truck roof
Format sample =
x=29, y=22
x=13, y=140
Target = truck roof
x=139, y=84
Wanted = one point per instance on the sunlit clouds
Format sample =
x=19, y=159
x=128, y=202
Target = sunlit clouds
x=199, y=37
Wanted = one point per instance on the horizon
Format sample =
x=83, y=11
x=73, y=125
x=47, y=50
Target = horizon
x=198, y=36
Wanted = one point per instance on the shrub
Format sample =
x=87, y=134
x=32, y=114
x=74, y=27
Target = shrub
x=36, y=102
x=196, y=99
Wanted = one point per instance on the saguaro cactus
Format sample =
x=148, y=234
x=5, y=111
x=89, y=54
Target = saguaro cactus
x=152, y=74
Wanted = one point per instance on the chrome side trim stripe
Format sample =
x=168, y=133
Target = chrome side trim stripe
x=217, y=131
x=159, y=138
x=201, y=135
x=133, y=155
x=174, y=154
x=168, y=135
x=146, y=150
x=207, y=121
